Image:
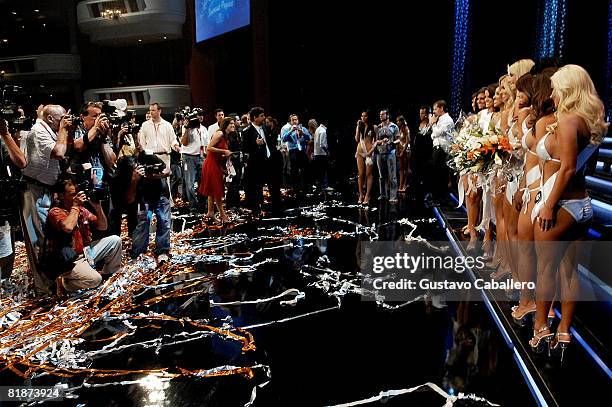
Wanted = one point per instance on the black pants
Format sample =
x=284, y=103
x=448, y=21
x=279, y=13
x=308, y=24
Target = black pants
x=232, y=198
x=439, y=174
x=298, y=167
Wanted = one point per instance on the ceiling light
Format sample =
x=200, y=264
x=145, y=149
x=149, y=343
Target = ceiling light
x=5, y=40
x=165, y=38
x=14, y=13
x=36, y=11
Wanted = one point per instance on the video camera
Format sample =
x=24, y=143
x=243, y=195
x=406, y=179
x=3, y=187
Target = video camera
x=189, y=114
x=11, y=188
x=89, y=180
x=10, y=95
x=118, y=114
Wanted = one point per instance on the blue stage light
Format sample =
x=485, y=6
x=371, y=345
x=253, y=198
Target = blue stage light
x=460, y=47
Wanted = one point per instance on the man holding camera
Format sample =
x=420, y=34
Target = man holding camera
x=46, y=145
x=12, y=160
x=296, y=136
x=93, y=140
x=71, y=256
x=149, y=190
x=191, y=141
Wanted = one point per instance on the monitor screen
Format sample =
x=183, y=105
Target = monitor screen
x=216, y=17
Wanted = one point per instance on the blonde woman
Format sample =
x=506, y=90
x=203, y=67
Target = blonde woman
x=518, y=69
x=563, y=211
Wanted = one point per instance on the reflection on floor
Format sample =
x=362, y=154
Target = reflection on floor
x=263, y=311
x=579, y=376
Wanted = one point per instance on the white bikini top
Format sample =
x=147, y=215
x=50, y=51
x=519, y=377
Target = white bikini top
x=541, y=150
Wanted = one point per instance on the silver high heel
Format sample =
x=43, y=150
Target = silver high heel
x=559, y=345
x=540, y=342
x=521, y=319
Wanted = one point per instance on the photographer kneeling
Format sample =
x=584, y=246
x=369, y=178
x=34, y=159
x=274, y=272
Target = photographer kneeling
x=71, y=256
x=149, y=189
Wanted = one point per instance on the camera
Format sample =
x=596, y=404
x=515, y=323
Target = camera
x=89, y=180
x=191, y=115
x=76, y=120
x=9, y=107
x=11, y=188
x=152, y=164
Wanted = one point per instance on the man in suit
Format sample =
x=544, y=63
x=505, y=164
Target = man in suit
x=264, y=162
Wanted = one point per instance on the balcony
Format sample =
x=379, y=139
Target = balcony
x=42, y=67
x=170, y=97
x=124, y=22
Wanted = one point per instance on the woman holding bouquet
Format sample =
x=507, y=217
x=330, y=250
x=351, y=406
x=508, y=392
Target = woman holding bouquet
x=563, y=211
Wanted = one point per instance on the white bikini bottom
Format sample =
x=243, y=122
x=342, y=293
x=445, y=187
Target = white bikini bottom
x=580, y=209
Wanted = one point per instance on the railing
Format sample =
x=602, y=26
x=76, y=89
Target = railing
x=121, y=22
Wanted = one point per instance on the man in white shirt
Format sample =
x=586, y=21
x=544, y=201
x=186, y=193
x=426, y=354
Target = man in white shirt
x=158, y=135
x=46, y=145
x=441, y=124
x=219, y=115
x=191, y=150
x=321, y=153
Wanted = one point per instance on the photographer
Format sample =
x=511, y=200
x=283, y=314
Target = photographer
x=46, y=145
x=191, y=149
x=12, y=160
x=92, y=138
x=70, y=255
x=149, y=190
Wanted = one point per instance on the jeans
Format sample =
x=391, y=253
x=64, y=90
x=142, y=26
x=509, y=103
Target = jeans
x=36, y=202
x=140, y=237
x=191, y=164
x=387, y=175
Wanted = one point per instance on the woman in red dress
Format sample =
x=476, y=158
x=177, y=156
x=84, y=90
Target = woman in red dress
x=211, y=184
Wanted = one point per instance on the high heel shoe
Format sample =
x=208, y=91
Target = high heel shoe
x=551, y=317
x=520, y=317
x=559, y=345
x=540, y=342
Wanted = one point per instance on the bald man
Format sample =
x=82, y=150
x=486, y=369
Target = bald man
x=46, y=145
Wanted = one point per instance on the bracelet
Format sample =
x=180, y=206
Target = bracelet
x=75, y=207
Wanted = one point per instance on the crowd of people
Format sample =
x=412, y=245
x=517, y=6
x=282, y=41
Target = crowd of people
x=84, y=173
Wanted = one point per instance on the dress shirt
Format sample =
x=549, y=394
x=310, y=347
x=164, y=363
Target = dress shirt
x=439, y=131
x=39, y=144
x=320, y=140
x=158, y=137
x=290, y=136
x=262, y=135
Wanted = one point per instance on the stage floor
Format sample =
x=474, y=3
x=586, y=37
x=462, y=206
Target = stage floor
x=262, y=310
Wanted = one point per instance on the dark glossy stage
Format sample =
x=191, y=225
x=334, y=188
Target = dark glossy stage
x=299, y=334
